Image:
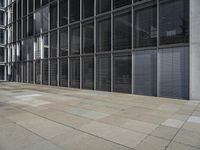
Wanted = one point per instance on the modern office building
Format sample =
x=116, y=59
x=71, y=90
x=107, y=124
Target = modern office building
x=2, y=41
x=145, y=47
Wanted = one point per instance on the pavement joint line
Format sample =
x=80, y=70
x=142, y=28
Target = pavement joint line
x=185, y=121
x=69, y=127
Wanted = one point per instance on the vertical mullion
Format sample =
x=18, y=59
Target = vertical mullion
x=81, y=44
x=68, y=32
x=132, y=49
x=112, y=46
x=158, y=32
x=58, y=44
x=95, y=57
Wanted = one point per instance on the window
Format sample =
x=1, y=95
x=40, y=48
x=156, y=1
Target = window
x=37, y=4
x=46, y=46
x=103, y=6
x=1, y=3
x=63, y=72
x=74, y=10
x=14, y=11
x=174, y=21
x=173, y=67
x=53, y=72
x=63, y=12
x=53, y=15
x=19, y=8
x=37, y=48
x=145, y=27
x=30, y=71
x=44, y=2
x=64, y=42
x=88, y=38
x=30, y=48
x=88, y=73
x=120, y=3
x=30, y=6
x=75, y=72
x=38, y=23
x=2, y=36
x=122, y=31
x=45, y=19
x=19, y=30
x=37, y=71
x=24, y=27
x=30, y=25
x=2, y=54
x=24, y=7
x=53, y=43
x=45, y=71
x=1, y=18
x=2, y=72
x=103, y=74
x=88, y=8
x=122, y=73
x=25, y=72
x=75, y=40
x=103, y=35
x=145, y=72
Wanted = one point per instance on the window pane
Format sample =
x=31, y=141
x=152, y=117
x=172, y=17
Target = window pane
x=45, y=71
x=173, y=70
x=53, y=15
x=63, y=72
x=30, y=7
x=19, y=8
x=1, y=72
x=53, y=43
x=103, y=6
x=174, y=21
x=44, y=2
x=30, y=25
x=120, y=3
x=122, y=31
x=88, y=38
x=25, y=27
x=88, y=8
x=146, y=27
x=145, y=72
x=37, y=71
x=63, y=12
x=122, y=74
x=2, y=54
x=45, y=19
x=30, y=71
x=75, y=40
x=1, y=18
x=88, y=72
x=74, y=10
x=37, y=4
x=103, y=35
x=25, y=72
x=103, y=76
x=53, y=72
x=75, y=73
x=1, y=36
x=24, y=7
x=64, y=42
x=37, y=22
x=46, y=46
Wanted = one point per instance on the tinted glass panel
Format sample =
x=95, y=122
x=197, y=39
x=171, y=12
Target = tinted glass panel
x=173, y=76
x=122, y=74
x=75, y=73
x=30, y=5
x=103, y=35
x=25, y=72
x=103, y=6
x=64, y=42
x=88, y=38
x=44, y=2
x=145, y=27
x=38, y=23
x=74, y=10
x=63, y=72
x=103, y=74
x=25, y=27
x=145, y=72
x=53, y=15
x=45, y=19
x=122, y=31
x=37, y=72
x=53, y=71
x=37, y=4
x=174, y=21
x=45, y=71
x=30, y=25
x=120, y=3
x=88, y=73
x=63, y=12
x=75, y=40
x=88, y=8
x=1, y=72
x=53, y=43
x=24, y=7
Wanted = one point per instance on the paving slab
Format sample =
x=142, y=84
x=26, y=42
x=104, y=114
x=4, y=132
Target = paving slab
x=178, y=146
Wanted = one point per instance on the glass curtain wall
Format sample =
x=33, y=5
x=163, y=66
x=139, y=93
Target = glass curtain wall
x=128, y=46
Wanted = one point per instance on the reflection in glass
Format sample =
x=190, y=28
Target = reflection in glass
x=75, y=72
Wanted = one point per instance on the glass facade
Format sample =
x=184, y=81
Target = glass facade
x=128, y=46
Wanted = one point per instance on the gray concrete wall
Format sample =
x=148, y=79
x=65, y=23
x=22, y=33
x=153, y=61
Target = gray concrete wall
x=195, y=49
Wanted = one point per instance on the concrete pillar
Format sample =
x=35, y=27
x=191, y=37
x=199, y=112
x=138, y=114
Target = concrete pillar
x=195, y=49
